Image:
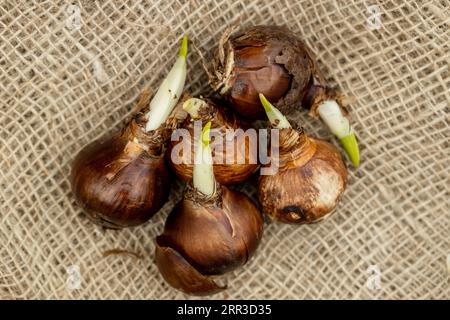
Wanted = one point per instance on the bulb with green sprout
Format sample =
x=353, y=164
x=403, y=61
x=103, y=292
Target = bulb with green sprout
x=235, y=155
x=211, y=231
x=273, y=61
x=310, y=179
x=122, y=180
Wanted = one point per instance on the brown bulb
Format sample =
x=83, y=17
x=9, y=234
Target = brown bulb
x=309, y=183
x=231, y=167
x=122, y=180
x=263, y=59
x=207, y=236
x=274, y=62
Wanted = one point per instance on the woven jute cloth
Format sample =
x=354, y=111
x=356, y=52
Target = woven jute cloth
x=71, y=71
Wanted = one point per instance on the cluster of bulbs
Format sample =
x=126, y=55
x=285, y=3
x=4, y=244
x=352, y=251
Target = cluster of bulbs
x=123, y=180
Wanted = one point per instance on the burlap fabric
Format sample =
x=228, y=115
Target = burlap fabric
x=65, y=82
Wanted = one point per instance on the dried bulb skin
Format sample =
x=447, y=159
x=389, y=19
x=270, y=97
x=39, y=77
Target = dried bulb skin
x=206, y=237
x=181, y=275
x=310, y=181
x=229, y=168
x=122, y=180
x=263, y=59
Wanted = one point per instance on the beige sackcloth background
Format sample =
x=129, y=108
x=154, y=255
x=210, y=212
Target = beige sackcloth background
x=65, y=82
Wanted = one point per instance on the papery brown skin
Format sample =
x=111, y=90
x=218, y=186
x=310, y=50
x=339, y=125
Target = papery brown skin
x=225, y=172
x=202, y=240
x=308, y=186
x=270, y=60
x=181, y=275
x=123, y=180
